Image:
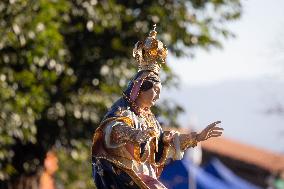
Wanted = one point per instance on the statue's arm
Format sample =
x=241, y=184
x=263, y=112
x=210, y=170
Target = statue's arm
x=173, y=144
x=118, y=133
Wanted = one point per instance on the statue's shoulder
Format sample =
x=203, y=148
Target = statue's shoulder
x=121, y=115
x=123, y=112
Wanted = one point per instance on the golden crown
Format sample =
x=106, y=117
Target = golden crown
x=150, y=53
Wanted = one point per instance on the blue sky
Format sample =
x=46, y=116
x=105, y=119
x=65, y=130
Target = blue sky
x=255, y=52
x=239, y=83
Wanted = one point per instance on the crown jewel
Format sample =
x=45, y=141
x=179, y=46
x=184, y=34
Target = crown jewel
x=150, y=53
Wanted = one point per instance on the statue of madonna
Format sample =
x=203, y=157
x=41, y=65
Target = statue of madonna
x=130, y=148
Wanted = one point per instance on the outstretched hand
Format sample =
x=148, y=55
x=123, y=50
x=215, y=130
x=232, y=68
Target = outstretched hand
x=210, y=131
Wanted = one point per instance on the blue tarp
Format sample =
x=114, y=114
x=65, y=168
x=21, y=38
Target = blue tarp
x=220, y=171
x=214, y=176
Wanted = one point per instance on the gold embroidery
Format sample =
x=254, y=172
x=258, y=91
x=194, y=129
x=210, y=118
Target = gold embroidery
x=122, y=133
x=187, y=141
x=126, y=133
x=164, y=156
x=124, y=119
x=97, y=135
x=152, y=151
x=136, y=153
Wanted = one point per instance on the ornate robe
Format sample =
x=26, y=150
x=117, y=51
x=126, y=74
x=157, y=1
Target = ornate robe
x=130, y=149
x=125, y=156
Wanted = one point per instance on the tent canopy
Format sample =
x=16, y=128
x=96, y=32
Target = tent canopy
x=214, y=175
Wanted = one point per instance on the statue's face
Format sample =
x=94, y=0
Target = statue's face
x=149, y=97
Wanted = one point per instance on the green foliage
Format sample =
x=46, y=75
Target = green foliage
x=63, y=63
x=75, y=170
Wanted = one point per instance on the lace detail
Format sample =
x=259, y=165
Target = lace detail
x=188, y=141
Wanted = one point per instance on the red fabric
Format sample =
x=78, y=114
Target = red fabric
x=151, y=182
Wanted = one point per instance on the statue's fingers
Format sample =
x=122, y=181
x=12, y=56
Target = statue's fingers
x=218, y=128
x=217, y=122
x=206, y=130
x=209, y=127
x=214, y=124
x=216, y=132
x=215, y=135
x=215, y=128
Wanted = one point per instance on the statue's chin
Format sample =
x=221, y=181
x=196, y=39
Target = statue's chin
x=152, y=103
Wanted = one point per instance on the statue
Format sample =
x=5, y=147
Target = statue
x=130, y=148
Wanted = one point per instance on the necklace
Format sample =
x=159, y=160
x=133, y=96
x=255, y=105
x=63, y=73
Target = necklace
x=145, y=114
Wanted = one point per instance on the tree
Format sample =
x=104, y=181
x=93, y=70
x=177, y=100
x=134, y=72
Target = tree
x=63, y=63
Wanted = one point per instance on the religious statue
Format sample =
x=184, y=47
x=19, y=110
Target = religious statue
x=130, y=148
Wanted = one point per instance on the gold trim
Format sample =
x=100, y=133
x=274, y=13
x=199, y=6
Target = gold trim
x=152, y=151
x=127, y=120
x=99, y=131
x=164, y=156
x=136, y=152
